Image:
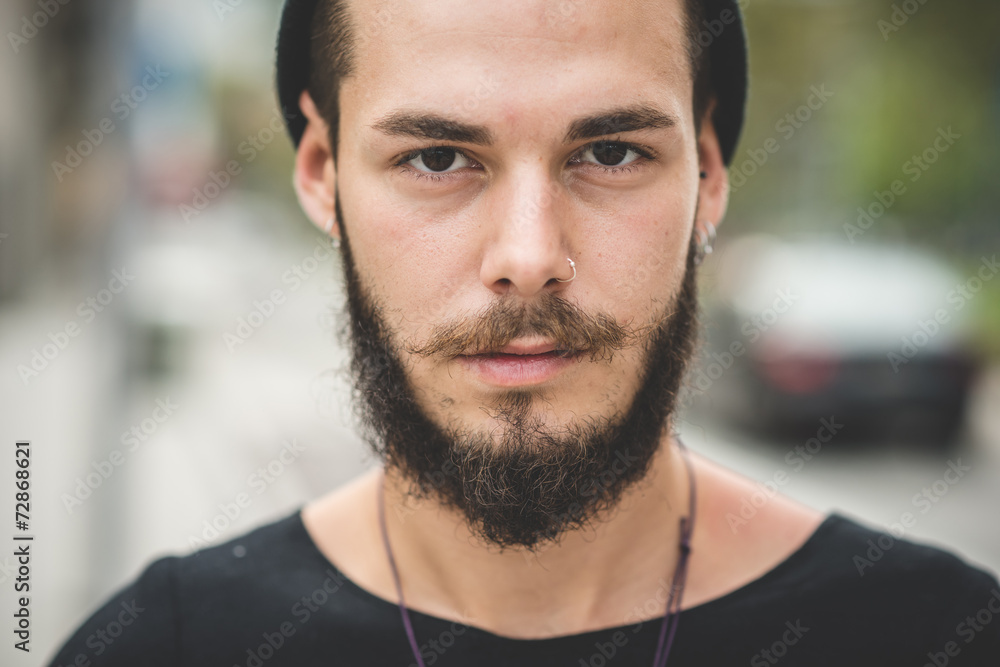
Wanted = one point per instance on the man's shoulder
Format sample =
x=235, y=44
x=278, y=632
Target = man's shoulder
x=867, y=596
x=849, y=570
x=276, y=540
x=853, y=548
x=274, y=560
x=212, y=600
x=279, y=542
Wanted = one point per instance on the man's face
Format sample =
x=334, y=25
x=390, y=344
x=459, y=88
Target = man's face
x=479, y=148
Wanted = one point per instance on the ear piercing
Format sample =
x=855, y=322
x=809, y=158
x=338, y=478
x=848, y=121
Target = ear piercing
x=705, y=240
x=328, y=228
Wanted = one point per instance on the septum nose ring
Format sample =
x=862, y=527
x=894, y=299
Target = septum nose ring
x=572, y=265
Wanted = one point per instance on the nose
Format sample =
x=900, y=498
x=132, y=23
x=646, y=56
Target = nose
x=527, y=249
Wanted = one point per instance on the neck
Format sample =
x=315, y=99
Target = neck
x=604, y=576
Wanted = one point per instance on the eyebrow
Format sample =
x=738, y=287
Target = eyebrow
x=622, y=119
x=435, y=127
x=432, y=126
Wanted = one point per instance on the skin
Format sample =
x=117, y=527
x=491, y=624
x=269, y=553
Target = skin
x=504, y=223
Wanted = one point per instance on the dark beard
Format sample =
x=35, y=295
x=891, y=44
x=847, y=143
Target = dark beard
x=533, y=485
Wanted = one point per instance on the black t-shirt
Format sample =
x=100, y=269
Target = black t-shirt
x=849, y=596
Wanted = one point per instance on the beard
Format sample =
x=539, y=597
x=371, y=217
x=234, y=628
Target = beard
x=524, y=484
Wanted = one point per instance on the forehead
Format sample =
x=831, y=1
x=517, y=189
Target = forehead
x=513, y=61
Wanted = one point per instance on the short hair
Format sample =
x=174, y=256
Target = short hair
x=333, y=50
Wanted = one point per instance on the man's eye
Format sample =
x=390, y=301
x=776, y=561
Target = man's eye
x=437, y=160
x=611, y=154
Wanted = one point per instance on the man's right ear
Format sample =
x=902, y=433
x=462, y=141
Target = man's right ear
x=315, y=173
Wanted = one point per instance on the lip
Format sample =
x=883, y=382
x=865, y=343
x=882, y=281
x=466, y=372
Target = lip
x=526, y=348
x=518, y=364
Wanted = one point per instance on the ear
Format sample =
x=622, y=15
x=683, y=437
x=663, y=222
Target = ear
x=713, y=195
x=315, y=172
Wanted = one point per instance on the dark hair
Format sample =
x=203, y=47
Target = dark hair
x=333, y=47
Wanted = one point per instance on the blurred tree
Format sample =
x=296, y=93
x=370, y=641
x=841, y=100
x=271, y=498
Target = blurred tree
x=896, y=79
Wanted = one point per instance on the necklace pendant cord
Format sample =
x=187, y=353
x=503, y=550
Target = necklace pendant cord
x=671, y=616
x=395, y=573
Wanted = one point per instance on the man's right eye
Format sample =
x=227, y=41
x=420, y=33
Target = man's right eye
x=437, y=159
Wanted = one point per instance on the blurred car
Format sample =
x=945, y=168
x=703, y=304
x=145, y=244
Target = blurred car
x=874, y=336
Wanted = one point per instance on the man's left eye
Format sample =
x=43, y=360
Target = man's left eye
x=610, y=154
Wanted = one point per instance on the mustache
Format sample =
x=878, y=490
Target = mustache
x=569, y=327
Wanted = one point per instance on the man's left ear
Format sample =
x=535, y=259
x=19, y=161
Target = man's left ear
x=713, y=193
x=315, y=172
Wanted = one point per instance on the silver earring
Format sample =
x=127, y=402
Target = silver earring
x=328, y=228
x=572, y=265
x=705, y=241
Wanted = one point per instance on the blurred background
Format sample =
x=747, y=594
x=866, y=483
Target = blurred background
x=168, y=314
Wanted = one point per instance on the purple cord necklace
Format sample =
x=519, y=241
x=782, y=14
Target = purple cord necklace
x=671, y=617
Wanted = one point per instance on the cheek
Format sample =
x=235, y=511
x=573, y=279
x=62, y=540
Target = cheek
x=416, y=263
x=642, y=256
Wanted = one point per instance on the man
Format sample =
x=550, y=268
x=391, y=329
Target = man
x=522, y=192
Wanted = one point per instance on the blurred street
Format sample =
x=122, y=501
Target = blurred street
x=169, y=315
x=877, y=483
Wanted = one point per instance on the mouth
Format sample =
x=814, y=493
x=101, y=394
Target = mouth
x=519, y=364
x=526, y=349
